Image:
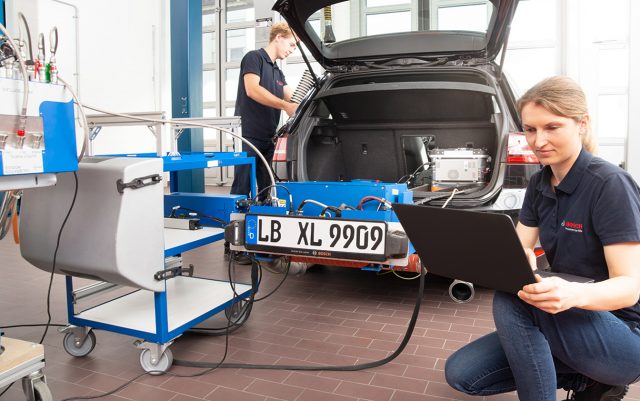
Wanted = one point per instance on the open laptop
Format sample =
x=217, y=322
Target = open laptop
x=481, y=248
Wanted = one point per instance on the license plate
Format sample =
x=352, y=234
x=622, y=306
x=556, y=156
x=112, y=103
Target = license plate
x=315, y=237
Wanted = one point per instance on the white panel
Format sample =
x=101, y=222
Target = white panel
x=187, y=299
x=633, y=144
x=123, y=62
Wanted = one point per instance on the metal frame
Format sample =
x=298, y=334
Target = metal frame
x=98, y=121
x=186, y=84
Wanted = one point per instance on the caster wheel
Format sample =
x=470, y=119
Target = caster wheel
x=41, y=391
x=239, y=312
x=79, y=350
x=161, y=366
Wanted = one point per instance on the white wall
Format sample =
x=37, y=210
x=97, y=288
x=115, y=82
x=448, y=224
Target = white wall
x=124, y=58
x=633, y=141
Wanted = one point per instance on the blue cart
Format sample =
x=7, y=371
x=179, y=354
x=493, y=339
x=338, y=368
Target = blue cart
x=126, y=247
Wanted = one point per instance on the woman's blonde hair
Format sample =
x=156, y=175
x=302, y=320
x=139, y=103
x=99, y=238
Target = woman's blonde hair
x=561, y=96
x=279, y=28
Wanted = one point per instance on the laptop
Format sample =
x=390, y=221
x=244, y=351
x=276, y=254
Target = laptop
x=478, y=247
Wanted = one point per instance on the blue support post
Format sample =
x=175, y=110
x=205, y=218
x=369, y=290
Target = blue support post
x=3, y=21
x=186, y=85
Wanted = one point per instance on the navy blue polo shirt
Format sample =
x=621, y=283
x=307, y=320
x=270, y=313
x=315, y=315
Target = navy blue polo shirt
x=596, y=204
x=259, y=121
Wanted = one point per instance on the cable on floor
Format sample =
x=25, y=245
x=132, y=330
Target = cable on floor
x=398, y=351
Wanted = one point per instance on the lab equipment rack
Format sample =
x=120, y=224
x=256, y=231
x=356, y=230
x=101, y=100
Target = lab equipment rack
x=159, y=317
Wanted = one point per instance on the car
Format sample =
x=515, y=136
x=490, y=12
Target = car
x=429, y=107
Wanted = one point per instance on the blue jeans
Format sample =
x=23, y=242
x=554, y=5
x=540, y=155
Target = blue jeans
x=535, y=352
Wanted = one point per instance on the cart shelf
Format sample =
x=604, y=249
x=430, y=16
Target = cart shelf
x=185, y=306
x=178, y=241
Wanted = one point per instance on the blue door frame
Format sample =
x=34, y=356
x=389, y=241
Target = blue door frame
x=186, y=85
x=3, y=21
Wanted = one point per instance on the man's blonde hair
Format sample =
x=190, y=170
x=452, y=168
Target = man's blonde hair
x=561, y=96
x=280, y=28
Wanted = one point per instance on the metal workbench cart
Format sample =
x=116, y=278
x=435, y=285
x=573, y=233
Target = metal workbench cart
x=115, y=235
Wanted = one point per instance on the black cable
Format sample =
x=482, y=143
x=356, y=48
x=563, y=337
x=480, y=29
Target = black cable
x=244, y=314
x=6, y=389
x=55, y=255
x=159, y=373
x=334, y=209
x=217, y=220
x=34, y=325
x=304, y=202
x=410, y=176
x=286, y=273
x=277, y=186
x=398, y=351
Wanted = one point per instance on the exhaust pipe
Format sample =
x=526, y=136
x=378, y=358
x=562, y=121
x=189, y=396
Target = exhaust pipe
x=461, y=291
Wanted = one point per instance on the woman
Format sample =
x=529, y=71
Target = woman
x=586, y=214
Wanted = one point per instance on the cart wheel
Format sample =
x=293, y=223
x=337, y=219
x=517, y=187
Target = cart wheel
x=161, y=366
x=41, y=391
x=239, y=312
x=83, y=349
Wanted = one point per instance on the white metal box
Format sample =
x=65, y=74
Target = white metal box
x=460, y=165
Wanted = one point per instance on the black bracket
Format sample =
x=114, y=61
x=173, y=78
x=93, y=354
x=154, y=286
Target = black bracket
x=137, y=183
x=173, y=272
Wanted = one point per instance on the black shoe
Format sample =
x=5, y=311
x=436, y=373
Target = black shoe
x=240, y=258
x=601, y=392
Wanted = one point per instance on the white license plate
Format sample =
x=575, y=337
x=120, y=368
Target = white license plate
x=317, y=237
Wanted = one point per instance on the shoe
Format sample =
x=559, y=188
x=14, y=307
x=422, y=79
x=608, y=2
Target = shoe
x=596, y=391
x=240, y=258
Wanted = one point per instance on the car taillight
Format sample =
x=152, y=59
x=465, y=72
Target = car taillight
x=518, y=151
x=280, y=153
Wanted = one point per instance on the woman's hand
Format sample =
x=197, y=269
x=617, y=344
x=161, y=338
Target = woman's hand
x=551, y=294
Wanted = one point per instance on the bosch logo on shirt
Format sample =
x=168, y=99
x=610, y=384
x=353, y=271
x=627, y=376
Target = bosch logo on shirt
x=280, y=83
x=571, y=226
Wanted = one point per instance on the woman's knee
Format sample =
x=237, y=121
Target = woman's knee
x=472, y=369
x=456, y=372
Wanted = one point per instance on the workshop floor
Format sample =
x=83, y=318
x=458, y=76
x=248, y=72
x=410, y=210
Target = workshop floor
x=328, y=316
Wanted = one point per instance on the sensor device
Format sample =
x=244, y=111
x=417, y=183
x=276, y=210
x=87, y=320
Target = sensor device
x=182, y=224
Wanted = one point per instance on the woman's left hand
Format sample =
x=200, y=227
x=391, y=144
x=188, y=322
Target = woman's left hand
x=551, y=294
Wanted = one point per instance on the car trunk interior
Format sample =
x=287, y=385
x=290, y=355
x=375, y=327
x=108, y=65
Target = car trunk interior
x=386, y=130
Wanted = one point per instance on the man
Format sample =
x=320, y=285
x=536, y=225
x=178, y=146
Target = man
x=262, y=93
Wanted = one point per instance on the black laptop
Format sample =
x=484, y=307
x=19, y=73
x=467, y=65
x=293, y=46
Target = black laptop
x=478, y=247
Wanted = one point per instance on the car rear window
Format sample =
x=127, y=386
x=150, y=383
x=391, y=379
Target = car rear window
x=365, y=18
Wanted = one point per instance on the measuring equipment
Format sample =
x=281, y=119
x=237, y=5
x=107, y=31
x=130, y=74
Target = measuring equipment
x=338, y=223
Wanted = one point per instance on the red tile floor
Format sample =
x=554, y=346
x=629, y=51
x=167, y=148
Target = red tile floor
x=329, y=315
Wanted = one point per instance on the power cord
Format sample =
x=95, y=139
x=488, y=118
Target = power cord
x=34, y=325
x=53, y=269
x=366, y=199
x=401, y=347
x=161, y=373
x=255, y=198
x=55, y=256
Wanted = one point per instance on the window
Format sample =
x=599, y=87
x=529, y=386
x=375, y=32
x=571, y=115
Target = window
x=463, y=17
x=533, y=47
x=587, y=41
